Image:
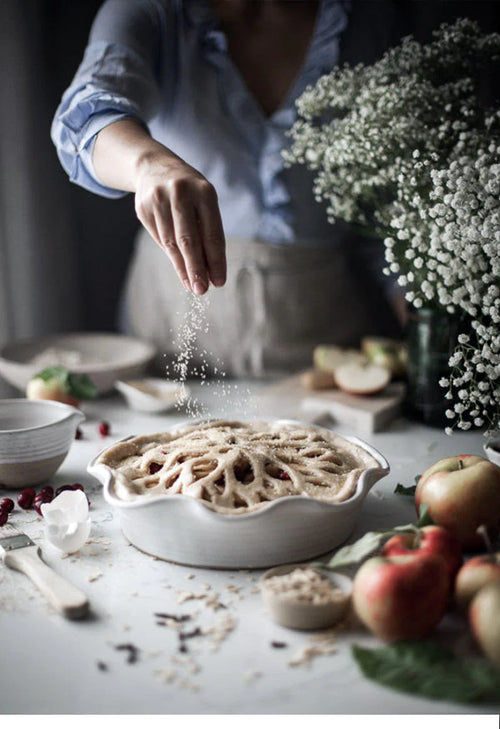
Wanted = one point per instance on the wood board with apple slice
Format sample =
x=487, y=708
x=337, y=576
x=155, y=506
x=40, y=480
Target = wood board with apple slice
x=367, y=414
x=361, y=388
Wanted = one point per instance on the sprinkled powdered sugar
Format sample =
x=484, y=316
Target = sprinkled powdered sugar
x=193, y=361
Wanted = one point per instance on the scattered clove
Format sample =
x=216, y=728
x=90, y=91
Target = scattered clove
x=278, y=644
x=133, y=651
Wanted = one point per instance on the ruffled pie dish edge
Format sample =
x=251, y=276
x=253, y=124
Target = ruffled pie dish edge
x=181, y=529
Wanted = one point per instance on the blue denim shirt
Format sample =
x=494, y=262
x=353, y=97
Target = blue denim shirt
x=166, y=63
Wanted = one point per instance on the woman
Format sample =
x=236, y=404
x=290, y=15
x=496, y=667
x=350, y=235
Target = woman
x=186, y=104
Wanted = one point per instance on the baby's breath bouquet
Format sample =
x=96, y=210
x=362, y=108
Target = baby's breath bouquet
x=406, y=149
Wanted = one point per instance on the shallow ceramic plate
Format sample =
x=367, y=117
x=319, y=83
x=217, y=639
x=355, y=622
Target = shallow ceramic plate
x=181, y=529
x=152, y=394
x=105, y=358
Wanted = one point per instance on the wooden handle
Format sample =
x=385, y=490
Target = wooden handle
x=65, y=597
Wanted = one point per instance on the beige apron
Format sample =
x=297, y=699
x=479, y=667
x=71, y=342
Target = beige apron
x=279, y=302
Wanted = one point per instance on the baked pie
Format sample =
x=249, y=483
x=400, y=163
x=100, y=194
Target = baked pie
x=235, y=467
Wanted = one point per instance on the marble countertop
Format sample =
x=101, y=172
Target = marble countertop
x=126, y=659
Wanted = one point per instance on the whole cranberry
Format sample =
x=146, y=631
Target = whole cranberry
x=104, y=428
x=26, y=498
x=284, y=476
x=47, y=492
x=4, y=515
x=6, y=505
x=66, y=487
x=37, y=505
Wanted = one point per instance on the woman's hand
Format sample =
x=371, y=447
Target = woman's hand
x=173, y=201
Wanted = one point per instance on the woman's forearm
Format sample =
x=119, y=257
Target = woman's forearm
x=174, y=202
x=119, y=150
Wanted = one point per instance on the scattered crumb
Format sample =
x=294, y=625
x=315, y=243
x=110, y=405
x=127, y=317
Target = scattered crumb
x=251, y=676
x=102, y=666
x=94, y=576
x=219, y=631
x=190, y=576
x=322, y=644
x=184, y=596
x=167, y=675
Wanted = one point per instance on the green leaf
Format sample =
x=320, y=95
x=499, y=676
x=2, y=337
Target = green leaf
x=407, y=490
x=81, y=386
x=370, y=543
x=427, y=669
x=60, y=374
x=424, y=518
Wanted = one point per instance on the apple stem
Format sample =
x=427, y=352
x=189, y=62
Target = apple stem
x=483, y=532
x=460, y=464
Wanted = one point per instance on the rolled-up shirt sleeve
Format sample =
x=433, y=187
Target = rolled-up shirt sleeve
x=117, y=79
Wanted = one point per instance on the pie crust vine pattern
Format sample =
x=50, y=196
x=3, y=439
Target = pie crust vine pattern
x=235, y=467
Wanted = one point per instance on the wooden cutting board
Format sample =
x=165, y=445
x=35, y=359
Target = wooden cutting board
x=362, y=414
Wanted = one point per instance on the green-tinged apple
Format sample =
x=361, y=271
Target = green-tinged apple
x=59, y=384
x=388, y=353
x=432, y=540
x=402, y=597
x=475, y=574
x=462, y=493
x=484, y=618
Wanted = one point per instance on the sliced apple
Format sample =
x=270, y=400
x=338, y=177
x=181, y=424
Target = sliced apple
x=388, y=353
x=327, y=358
x=318, y=380
x=362, y=379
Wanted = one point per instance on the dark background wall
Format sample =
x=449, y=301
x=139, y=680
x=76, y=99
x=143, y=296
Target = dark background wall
x=103, y=230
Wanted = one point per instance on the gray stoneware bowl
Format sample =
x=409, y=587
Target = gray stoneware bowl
x=35, y=437
x=181, y=529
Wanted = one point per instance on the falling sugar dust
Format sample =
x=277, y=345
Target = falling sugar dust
x=193, y=362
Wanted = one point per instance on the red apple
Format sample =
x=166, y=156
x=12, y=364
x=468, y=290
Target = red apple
x=484, y=618
x=433, y=540
x=462, y=493
x=402, y=597
x=475, y=574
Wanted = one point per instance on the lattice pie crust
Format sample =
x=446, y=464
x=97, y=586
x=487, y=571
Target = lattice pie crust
x=235, y=467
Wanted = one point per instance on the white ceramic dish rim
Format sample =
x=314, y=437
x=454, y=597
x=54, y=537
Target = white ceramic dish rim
x=107, y=477
x=96, y=367
x=69, y=410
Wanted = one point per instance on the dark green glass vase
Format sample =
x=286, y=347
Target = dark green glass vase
x=431, y=338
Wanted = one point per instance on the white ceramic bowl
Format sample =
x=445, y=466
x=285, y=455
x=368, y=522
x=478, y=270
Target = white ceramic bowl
x=301, y=615
x=181, y=529
x=35, y=437
x=161, y=396
x=105, y=358
x=492, y=450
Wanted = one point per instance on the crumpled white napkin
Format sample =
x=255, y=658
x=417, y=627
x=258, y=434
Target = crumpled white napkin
x=67, y=521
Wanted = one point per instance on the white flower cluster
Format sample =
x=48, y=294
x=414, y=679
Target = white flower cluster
x=446, y=249
x=405, y=149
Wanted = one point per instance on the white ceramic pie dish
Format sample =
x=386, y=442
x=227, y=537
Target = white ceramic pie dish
x=181, y=529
